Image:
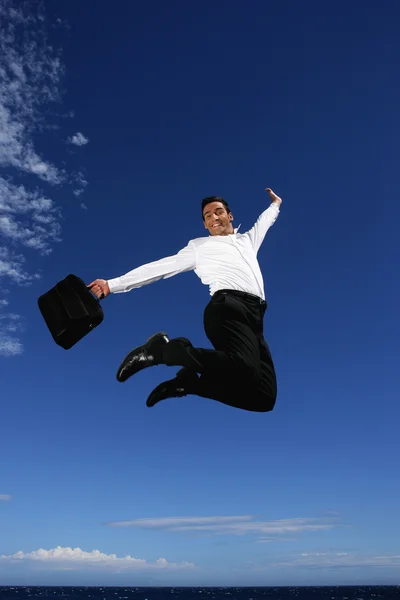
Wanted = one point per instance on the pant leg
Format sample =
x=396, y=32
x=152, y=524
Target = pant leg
x=234, y=372
x=268, y=388
x=260, y=391
x=236, y=344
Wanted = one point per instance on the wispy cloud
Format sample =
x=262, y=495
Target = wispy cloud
x=234, y=525
x=10, y=325
x=80, y=183
x=78, y=139
x=12, y=266
x=267, y=540
x=30, y=76
x=337, y=560
x=5, y=497
x=75, y=558
x=175, y=523
x=9, y=345
x=28, y=218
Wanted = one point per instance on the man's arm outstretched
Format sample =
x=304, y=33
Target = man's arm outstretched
x=184, y=260
x=265, y=221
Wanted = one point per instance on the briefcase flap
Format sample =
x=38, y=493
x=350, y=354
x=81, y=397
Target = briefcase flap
x=76, y=298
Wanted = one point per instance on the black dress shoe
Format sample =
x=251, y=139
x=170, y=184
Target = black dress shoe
x=183, y=384
x=139, y=358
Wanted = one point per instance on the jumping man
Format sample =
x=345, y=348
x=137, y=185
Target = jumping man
x=239, y=371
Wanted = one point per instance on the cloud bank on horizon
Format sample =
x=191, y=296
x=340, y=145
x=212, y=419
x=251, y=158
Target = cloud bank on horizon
x=76, y=558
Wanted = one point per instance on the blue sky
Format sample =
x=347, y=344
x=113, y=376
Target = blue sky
x=113, y=128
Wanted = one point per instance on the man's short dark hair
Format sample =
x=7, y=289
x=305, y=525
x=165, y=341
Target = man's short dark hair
x=210, y=199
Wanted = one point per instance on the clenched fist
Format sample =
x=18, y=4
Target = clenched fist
x=100, y=288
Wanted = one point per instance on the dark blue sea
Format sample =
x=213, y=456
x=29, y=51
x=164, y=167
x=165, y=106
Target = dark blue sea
x=198, y=593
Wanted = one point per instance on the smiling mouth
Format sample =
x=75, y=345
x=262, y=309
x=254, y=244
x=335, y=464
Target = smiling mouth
x=216, y=225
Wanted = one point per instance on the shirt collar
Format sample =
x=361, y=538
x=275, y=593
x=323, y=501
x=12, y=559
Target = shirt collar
x=236, y=229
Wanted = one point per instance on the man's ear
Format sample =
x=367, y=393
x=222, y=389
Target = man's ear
x=230, y=216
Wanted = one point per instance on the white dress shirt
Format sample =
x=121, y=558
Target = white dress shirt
x=220, y=261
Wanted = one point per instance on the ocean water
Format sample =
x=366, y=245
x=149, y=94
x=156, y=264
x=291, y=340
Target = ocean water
x=207, y=593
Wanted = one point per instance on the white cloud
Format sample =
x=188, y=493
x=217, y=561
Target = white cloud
x=28, y=217
x=11, y=266
x=329, y=560
x=78, y=139
x=267, y=540
x=235, y=525
x=30, y=76
x=10, y=325
x=10, y=345
x=5, y=497
x=13, y=322
x=76, y=558
x=180, y=522
x=79, y=181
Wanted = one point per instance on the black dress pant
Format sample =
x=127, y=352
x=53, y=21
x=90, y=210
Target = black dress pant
x=239, y=371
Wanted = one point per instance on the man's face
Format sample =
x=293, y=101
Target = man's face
x=217, y=220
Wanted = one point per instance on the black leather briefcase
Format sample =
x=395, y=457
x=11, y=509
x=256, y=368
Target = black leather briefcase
x=70, y=311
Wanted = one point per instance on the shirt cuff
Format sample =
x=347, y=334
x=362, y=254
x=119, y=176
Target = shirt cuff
x=115, y=285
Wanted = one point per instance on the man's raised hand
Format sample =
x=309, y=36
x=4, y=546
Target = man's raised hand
x=274, y=198
x=100, y=288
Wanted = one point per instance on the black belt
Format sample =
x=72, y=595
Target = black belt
x=244, y=295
